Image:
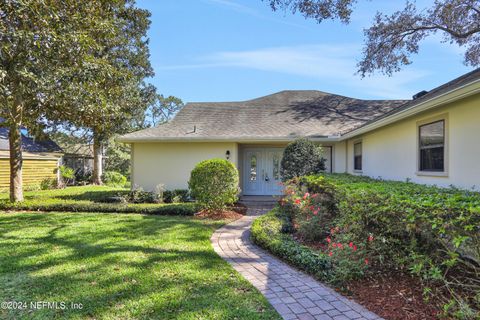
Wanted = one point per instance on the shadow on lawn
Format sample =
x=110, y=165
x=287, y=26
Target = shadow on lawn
x=114, y=264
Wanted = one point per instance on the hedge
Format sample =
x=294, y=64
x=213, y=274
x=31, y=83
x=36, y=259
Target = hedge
x=430, y=231
x=182, y=209
x=268, y=232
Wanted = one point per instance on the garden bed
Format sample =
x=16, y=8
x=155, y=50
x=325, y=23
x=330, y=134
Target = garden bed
x=415, y=247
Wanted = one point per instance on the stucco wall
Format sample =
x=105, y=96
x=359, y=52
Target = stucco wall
x=171, y=163
x=391, y=152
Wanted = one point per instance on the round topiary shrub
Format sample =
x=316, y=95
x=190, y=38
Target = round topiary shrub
x=214, y=184
x=301, y=157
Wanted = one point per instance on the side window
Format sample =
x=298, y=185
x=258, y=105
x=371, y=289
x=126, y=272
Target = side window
x=432, y=147
x=357, y=156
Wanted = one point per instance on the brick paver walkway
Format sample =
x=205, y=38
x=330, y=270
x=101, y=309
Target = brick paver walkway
x=292, y=293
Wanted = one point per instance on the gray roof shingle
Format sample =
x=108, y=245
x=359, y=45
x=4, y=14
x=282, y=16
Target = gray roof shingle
x=283, y=115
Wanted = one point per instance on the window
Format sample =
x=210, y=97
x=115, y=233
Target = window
x=253, y=168
x=276, y=167
x=357, y=156
x=432, y=146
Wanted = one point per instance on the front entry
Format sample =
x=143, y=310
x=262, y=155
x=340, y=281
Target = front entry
x=261, y=171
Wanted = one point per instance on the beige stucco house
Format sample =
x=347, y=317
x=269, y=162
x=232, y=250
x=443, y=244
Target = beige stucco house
x=433, y=138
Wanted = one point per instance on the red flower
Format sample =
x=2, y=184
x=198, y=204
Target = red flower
x=297, y=201
x=334, y=245
x=330, y=253
x=340, y=245
x=351, y=244
x=366, y=261
x=329, y=240
x=370, y=238
x=354, y=248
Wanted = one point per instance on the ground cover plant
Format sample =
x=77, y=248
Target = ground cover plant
x=94, y=199
x=367, y=226
x=127, y=266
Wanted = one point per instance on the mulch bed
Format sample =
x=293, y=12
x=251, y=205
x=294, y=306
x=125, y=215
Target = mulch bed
x=393, y=296
x=218, y=215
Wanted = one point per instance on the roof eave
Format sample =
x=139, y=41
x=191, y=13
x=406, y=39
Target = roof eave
x=225, y=139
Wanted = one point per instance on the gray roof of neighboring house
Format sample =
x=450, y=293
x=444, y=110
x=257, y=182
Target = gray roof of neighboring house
x=29, y=144
x=283, y=115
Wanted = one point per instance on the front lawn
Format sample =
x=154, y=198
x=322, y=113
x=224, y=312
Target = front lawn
x=125, y=266
x=90, y=199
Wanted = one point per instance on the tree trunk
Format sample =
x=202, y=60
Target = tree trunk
x=16, y=162
x=97, y=159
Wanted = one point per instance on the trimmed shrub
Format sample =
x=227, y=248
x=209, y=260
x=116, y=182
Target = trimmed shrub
x=214, y=184
x=181, y=209
x=114, y=179
x=432, y=232
x=301, y=157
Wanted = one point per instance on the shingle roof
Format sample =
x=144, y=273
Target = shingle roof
x=28, y=143
x=283, y=115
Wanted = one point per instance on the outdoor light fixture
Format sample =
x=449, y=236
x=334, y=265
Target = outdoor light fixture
x=227, y=154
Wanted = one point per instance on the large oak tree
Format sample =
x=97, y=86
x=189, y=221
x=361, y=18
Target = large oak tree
x=42, y=42
x=393, y=39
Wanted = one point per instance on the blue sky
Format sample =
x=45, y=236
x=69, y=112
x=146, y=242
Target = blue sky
x=229, y=50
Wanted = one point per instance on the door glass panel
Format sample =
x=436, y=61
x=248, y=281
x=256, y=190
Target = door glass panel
x=276, y=167
x=253, y=168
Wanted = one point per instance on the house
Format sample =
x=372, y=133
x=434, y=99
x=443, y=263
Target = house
x=41, y=159
x=433, y=138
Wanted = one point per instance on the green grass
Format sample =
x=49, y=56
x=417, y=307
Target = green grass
x=89, y=199
x=127, y=266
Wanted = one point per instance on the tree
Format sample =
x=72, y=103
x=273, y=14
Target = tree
x=126, y=96
x=41, y=42
x=301, y=157
x=164, y=109
x=393, y=39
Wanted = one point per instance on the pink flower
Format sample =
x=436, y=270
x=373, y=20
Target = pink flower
x=315, y=212
x=330, y=253
x=340, y=245
x=366, y=261
x=354, y=248
x=334, y=245
x=306, y=195
x=329, y=240
x=370, y=238
x=351, y=244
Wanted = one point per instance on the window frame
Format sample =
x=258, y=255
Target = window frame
x=420, y=124
x=360, y=142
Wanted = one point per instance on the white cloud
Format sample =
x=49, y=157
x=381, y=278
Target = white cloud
x=252, y=12
x=333, y=63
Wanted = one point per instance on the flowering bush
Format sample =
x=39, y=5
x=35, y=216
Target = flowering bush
x=311, y=218
x=432, y=232
x=350, y=260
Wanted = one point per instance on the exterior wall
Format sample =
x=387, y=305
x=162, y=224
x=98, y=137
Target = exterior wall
x=34, y=172
x=171, y=163
x=339, y=157
x=391, y=152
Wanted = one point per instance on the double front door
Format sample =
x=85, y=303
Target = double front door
x=261, y=171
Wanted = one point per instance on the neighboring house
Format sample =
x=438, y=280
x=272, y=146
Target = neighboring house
x=432, y=139
x=40, y=159
x=79, y=157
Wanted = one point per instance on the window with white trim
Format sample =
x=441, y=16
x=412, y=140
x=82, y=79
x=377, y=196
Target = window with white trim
x=357, y=156
x=432, y=147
